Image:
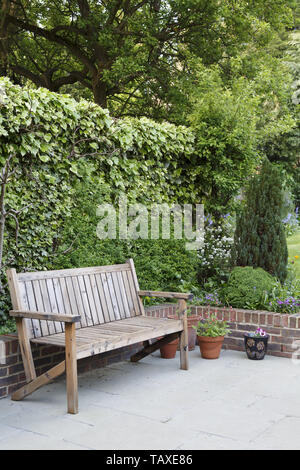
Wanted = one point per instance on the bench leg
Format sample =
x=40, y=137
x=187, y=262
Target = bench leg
x=184, y=339
x=39, y=382
x=71, y=368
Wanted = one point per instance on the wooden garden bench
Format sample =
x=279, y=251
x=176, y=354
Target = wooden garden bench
x=88, y=311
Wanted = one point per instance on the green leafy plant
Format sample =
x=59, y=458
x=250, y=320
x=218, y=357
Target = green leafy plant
x=259, y=239
x=246, y=287
x=212, y=327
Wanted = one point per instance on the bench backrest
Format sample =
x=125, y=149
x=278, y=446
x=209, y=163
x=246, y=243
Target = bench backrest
x=99, y=294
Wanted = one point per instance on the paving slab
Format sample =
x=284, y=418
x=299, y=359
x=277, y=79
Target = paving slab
x=229, y=403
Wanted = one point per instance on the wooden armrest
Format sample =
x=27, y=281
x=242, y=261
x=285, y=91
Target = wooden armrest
x=171, y=295
x=45, y=316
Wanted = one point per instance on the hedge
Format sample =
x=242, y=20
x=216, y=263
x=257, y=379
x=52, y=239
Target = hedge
x=59, y=148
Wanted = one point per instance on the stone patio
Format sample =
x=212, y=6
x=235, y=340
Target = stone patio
x=230, y=403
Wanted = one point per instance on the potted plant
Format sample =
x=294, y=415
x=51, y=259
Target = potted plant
x=256, y=344
x=210, y=334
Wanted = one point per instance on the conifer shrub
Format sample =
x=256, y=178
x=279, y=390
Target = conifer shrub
x=259, y=238
x=247, y=287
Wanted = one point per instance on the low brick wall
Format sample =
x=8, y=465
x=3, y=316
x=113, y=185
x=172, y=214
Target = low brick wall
x=284, y=329
x=12, y=374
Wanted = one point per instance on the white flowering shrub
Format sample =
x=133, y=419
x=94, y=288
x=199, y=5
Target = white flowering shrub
x=214, y=256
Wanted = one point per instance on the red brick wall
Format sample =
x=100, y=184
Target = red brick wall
x=284, y=329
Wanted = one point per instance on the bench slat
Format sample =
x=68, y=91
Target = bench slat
x=37, y=328
x=29, y=276
x=30, y=324
x=101, y=338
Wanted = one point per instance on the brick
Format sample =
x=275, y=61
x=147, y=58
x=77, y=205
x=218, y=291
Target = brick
x=9, y=380
x=3, y=392
x=234, y=342
x=15, y=369
x=288, y=348
x=274, y=347
x=262, y=319
x=45, y=351
x=281, y=340
x=289, y=333
x=14, y=359
x=240, y=316
x=14, y=347
x=285, y=321
x=277, y=320
x=3, y=371
x=246, y=327
x=233, y=316
x=236, y=334
x=42, y=361
x=248, y=317
x=279, y=354
x=13, y=388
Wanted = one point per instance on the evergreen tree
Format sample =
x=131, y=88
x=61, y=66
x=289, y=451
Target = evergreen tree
x=259, y=239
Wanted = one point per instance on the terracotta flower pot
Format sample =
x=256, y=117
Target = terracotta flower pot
x=192, y=320
x=210, y=348
x=168, y=351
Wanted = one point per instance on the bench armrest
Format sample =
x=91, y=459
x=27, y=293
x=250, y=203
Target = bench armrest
x=45, y=316
x=170, y=295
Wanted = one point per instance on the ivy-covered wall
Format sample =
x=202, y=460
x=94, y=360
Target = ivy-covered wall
x=60, y=158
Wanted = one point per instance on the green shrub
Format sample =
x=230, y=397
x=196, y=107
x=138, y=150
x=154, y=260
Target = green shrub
x=247, y=286
x=160, y=264
x=259, y=239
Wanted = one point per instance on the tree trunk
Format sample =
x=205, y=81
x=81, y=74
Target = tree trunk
x=99, y=92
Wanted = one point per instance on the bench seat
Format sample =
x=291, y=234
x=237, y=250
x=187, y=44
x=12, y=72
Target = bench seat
x=102, y=338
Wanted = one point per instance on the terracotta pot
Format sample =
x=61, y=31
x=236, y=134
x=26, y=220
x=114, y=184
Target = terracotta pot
x=168, y=351
x=191, y=320
x=210, y=348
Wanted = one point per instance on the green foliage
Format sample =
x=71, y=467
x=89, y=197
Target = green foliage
x=131, y=56
x=160, y=264
x=231, y=118
x=283, y=298
x=63, y=151
x=259, y=239
x=246, y=287
x=212, y=327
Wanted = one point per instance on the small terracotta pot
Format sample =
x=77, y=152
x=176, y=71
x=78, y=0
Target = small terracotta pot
x=168, y=351
x=210, y=348
x=191, y=320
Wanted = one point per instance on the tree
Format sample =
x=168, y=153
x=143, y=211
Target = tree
x=230, y=121
x=283, y=150
x=259, y=239
x=128, y=54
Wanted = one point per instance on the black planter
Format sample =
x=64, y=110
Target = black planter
x=256, y=347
